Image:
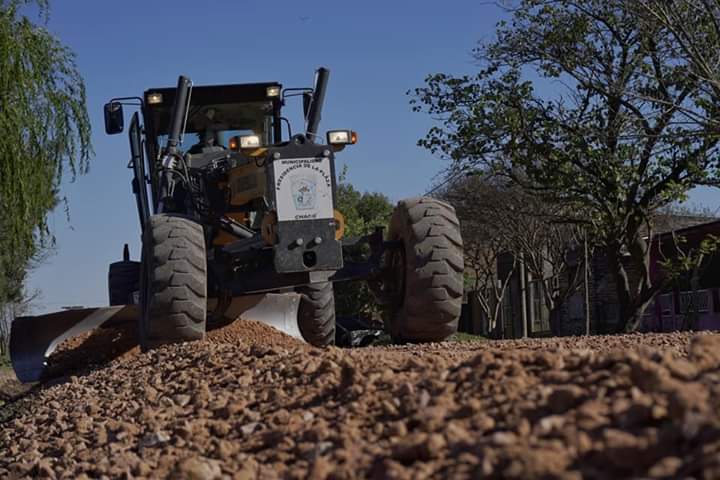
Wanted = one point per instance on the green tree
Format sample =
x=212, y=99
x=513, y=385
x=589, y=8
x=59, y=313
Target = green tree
x=593, y=104
x=679, y=17
x=363, y=212
x=45, y=133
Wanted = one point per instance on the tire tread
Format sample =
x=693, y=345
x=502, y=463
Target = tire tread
x=316, y=314
x=177, y=307
x=433, y=290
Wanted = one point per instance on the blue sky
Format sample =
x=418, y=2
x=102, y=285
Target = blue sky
x=376, y=51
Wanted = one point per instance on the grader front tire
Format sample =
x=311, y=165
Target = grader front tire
x=174, y=291
x=430, y=268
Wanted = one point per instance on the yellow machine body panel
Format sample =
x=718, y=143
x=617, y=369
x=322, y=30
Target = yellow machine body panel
x=246, y=182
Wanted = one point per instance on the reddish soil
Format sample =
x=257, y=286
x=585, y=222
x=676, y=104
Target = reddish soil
x=250, y=402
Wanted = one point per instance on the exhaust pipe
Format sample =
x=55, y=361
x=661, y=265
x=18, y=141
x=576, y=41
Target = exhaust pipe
x=316, y=103
x=178, y=113
x=169, y=161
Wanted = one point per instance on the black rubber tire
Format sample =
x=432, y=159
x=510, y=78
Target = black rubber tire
x=123, y=280
x=431, y=288
x=316, y=314
x=174, y=290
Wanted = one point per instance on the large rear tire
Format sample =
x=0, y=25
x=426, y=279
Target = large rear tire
x=174, y=290
x=316, y=314
x=428, y=271
x=123, y=281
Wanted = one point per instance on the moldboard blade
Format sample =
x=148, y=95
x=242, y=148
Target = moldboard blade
x=279, y=310
x=33, y=339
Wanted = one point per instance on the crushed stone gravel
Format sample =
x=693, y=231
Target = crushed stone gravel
x=249, y=402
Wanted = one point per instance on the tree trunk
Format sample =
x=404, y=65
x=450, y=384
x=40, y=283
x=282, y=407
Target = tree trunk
x=632, y=302
x=634, y=315
x=555, y=321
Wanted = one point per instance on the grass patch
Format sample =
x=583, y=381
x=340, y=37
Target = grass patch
x=384, y=339
x=466, y=337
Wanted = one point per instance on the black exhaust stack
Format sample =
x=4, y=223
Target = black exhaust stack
x=169, y=162
x=178, y=114
x=316, y=103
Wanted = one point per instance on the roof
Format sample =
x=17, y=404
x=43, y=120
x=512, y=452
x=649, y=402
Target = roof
x=665, y=223
x=244, y=105
x=697, y=230
x=233, y=93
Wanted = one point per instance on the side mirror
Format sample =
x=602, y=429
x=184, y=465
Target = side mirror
x=113, y=118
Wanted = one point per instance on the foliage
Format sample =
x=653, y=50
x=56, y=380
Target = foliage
x=45, y=133
x=363, y=212
x=680, y=17
x=595, y=105
x=686, y=260
x=685, y=265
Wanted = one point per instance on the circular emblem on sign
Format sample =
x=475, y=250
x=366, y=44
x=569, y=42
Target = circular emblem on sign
x=304, y=192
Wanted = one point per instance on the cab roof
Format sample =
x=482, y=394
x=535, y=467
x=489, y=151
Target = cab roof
x=160, y=113
x=234, y=93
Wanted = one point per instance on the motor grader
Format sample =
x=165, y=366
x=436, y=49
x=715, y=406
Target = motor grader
x=238, y=219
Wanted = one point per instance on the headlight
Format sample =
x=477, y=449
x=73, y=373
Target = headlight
x=271, y=92
x=249, y=141
x=341, y=137
x=154, y=98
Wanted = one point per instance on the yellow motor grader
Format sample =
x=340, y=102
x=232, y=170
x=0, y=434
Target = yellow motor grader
x=238, y=219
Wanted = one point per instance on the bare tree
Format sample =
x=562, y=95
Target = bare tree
x=500, y=219
x=550, y=250
x=480, y=210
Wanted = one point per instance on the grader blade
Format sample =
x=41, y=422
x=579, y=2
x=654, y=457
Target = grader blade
x=279, y=310
x=34, y=339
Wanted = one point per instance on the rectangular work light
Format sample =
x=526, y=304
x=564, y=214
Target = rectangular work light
x=154, y=98
x=341, y=137
x=249, y=141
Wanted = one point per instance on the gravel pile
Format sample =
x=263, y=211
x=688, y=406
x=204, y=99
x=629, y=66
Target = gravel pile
x=251, y=403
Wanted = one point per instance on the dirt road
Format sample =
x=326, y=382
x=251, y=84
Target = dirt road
x=256, y=404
